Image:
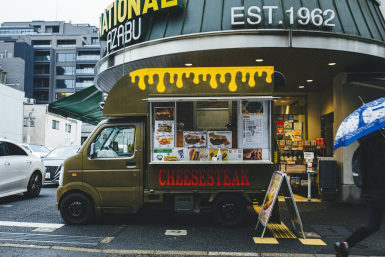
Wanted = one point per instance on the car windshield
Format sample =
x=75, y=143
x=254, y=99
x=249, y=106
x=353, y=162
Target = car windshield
x=62, y=153
x=39, y=148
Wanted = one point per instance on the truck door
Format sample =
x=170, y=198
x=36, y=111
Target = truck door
x=115, y=168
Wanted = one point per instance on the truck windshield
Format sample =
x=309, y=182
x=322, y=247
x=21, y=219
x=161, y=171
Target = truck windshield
x=115, y=142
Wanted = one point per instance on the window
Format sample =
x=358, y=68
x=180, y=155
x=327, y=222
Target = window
x=60, y=96
x=65, y=57
x=68, y=128
x=41, y=69
x=14, y=149
x=64, y=83
x=55, y=124
x=65, y=70
x=40, y=82
x=40, y=96
x=3, y=149
x=115, y=142
x=94, y=40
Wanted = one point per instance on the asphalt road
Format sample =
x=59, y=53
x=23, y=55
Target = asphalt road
x=144, y=233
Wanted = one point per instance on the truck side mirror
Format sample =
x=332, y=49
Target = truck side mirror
x=92, y=150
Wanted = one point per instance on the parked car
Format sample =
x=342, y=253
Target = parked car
x=37, y=150
x=54, y=160
x=20, y=170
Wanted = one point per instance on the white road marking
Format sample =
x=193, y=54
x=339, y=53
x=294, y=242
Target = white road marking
x=30, y=225
x=176, y=232
x=5, y=206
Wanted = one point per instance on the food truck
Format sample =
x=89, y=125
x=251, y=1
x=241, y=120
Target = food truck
x=184, y=139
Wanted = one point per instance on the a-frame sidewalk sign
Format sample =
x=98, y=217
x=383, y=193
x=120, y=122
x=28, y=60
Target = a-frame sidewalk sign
x=279, y=183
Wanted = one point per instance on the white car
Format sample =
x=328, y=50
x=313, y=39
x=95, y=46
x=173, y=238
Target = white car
x=37, y=150
x=20, y=170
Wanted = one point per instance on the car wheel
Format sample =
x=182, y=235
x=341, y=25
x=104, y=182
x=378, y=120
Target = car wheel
x=229, y=210
x=76, y=209
x=34, y=185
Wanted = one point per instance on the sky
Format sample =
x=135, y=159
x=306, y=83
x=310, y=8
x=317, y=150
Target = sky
x=76, y=11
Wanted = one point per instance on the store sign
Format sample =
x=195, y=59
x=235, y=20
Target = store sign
x=302, y=16
x=164, y=79
x=125, y=22
x=203, y=177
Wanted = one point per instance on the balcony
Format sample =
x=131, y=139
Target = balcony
x=84, y=84
x=43, y=58
x=42, y=46
x=41, y=71
x=88, y=57
x=67, y=46
x=88, y=71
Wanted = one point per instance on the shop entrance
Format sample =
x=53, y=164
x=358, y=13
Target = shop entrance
x=292, y=141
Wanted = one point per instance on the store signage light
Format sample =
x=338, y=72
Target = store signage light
x=125, y=22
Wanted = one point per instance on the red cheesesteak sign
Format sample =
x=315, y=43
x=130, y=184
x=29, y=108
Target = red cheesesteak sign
x=203, y=177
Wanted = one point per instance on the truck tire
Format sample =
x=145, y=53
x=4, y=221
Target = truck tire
x=229, y=210
x=77, y=209
x=34, y=185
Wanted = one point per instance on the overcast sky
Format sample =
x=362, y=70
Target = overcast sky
x=76, y=11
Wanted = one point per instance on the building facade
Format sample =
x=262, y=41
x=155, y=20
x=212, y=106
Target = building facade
x=330, y=52
x=11, y=114
x=49, y=60
x=50, y=130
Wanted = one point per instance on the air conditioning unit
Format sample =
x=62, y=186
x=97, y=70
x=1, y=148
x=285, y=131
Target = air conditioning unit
x=32, y=101
x=26, y=100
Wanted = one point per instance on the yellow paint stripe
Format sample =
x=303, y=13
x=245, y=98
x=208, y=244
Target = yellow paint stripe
x=312, y=241
x=265, y=240
x=278, y=230
x=106, y=240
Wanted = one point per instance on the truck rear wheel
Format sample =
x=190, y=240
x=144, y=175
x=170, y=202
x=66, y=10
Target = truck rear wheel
x=77, y=209
x=229, y=210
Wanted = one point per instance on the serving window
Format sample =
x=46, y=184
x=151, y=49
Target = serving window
x=211, y=130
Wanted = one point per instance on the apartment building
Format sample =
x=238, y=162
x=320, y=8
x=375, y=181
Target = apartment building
x=49, y=60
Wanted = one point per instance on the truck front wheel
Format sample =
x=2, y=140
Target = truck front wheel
x=76, y=209
x=229, y=210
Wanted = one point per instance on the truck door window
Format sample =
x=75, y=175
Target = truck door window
x=115, y=142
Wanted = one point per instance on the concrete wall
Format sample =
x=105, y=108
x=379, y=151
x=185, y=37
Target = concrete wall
x=313, y=116
x=37, y=133
x=55, y=138
x=345, y=102
x=11, y=113
x=326, y=104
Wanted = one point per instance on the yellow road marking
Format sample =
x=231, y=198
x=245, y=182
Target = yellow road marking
x=280, y=230
x=312, y=241
x=265, y=240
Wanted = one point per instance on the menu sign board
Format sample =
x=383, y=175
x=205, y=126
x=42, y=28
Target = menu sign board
x=164, y=127
x=195, y=139
x=270, y=198
x=219, y=139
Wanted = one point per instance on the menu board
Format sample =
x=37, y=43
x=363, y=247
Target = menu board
x=252, y=154
x=219, y=139
x=164, y=127
x=164, y=113
x=199, y=154
x=252, y=119
x=195, y=139
x=271, y=196
x=159, y=154
x=214, y=153
x=252, y=108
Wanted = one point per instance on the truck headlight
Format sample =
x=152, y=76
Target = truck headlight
x=61, y=176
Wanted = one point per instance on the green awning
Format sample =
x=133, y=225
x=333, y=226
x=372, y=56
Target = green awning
x=83, y=105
